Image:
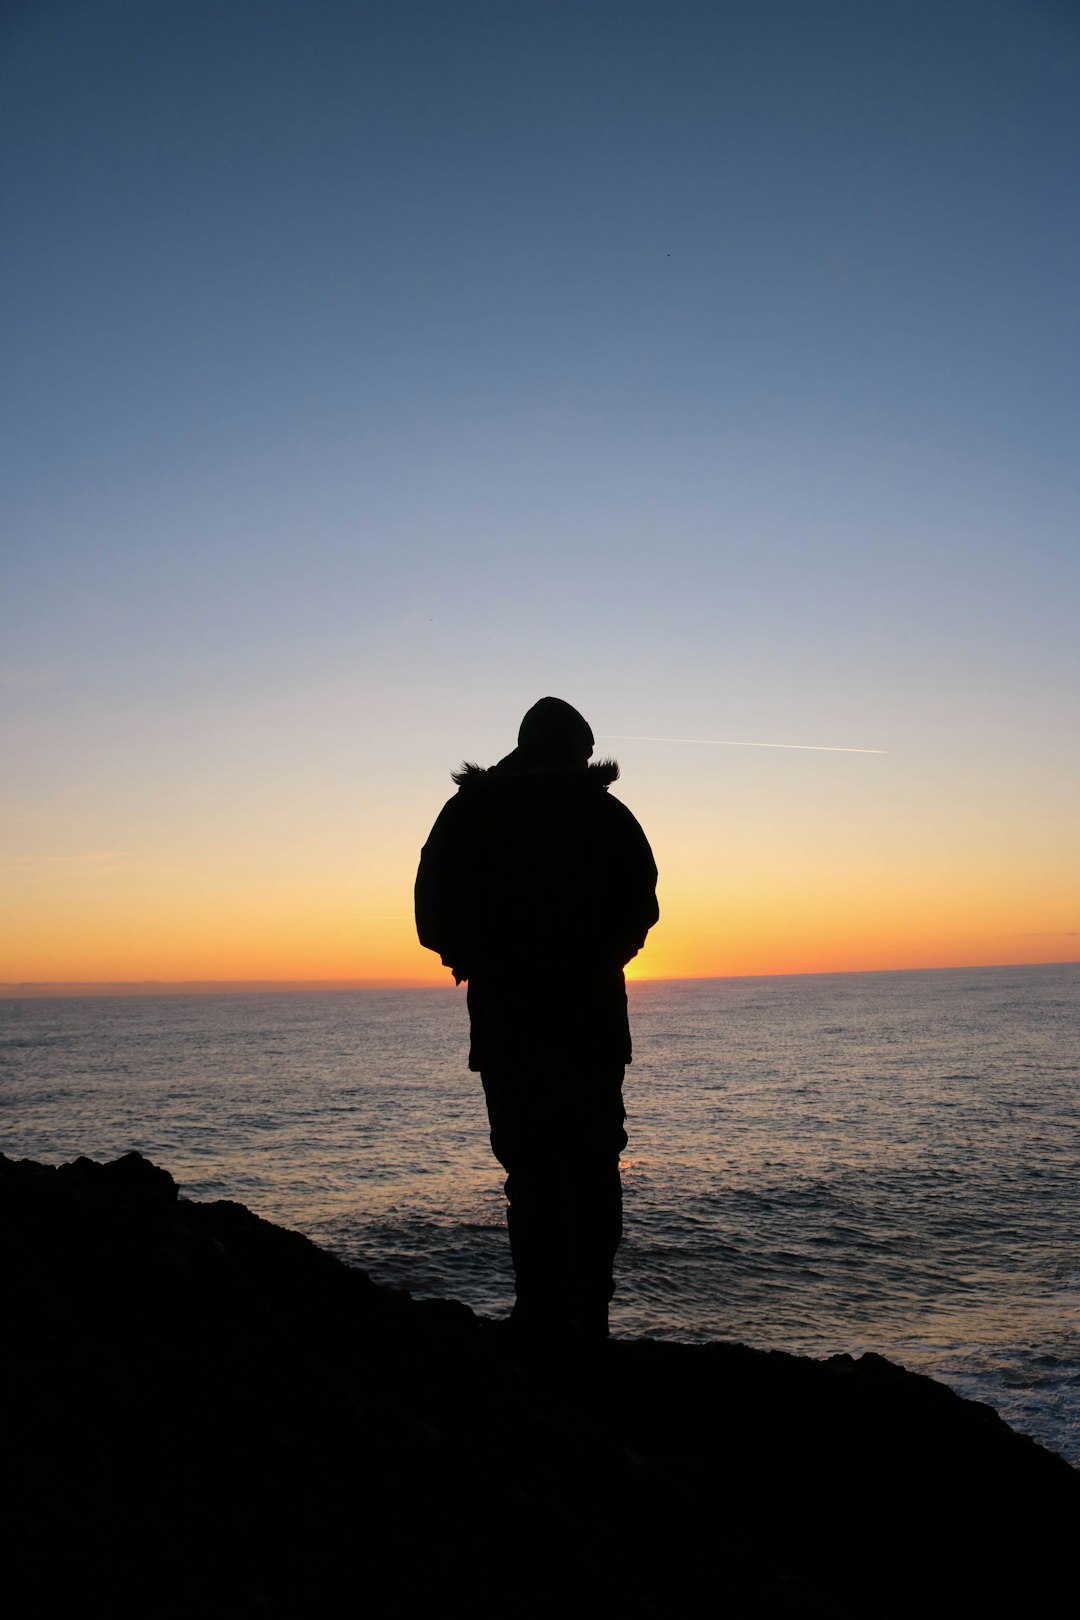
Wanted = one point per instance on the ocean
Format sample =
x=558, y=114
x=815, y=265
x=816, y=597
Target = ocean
x=821, y=1163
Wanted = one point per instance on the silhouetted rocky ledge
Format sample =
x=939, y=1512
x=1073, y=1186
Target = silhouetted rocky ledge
x=207, y=1415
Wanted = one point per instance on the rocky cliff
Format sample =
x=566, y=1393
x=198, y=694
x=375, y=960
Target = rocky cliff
x=205, y=1415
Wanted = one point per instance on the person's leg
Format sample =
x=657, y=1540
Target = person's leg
x=558, y=1133
x=519, y=1139
x=595, y=1211
x=595, y=1195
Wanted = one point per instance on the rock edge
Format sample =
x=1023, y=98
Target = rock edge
x=207, y=1414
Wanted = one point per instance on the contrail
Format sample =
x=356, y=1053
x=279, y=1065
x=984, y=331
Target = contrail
x=717, y=742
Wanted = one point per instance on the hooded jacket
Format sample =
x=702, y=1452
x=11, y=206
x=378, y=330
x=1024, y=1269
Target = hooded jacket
x=538, y=887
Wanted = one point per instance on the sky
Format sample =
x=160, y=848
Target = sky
x=373, y=370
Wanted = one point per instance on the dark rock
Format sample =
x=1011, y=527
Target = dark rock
x=204, y=1414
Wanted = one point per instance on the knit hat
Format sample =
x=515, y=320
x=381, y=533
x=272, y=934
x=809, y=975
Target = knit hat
x=555, y=730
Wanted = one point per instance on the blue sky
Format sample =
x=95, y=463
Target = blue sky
x=373, y=369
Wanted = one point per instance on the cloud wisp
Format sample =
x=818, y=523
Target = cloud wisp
x=718, y=742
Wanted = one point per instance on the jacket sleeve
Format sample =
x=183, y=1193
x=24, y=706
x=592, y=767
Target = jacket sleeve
x=437, y=895
x=634, y=907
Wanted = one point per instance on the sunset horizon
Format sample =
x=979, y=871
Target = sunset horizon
x=711, y=372
x=538, y=842
x=12, y=990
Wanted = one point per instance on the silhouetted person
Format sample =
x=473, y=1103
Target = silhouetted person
x=537, y=887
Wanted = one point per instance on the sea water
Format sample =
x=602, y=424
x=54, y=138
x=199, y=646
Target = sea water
x=823, y=1163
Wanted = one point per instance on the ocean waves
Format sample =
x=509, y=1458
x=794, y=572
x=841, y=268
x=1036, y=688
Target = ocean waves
x=820, y=1164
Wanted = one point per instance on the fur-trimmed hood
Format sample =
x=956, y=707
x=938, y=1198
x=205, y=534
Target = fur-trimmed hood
x=599, y=775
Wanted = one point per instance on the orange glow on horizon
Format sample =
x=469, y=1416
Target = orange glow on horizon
x=691, y=942
x=279, y=912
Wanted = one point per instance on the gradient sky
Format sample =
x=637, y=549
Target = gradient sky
x=375, y=369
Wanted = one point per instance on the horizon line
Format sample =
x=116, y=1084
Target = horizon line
x=13, y=989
